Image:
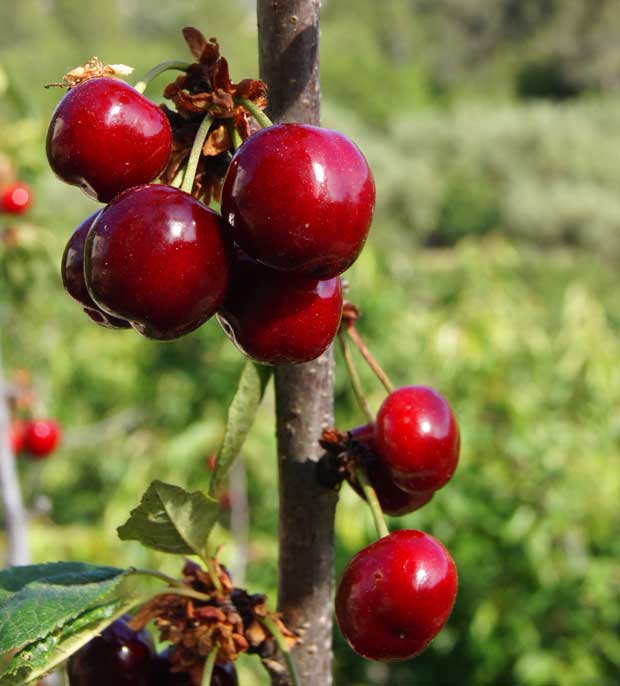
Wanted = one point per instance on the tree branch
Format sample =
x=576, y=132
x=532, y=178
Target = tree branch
x=289, y=63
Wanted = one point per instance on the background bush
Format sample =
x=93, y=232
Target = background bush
x=491, y=273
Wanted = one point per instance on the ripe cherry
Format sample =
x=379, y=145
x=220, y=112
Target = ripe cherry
x=396, y=595
x=158, y=258
x=16, y=198
x=300, y=199
x=117, y=656
x=162, y=675
x=277, y=318
x=417, y=436
x=106, y=137
x=393, y=500
x=41, y=437
x=72, y=271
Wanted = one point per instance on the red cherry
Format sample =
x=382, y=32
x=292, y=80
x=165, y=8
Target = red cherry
x=106, y=137
x=418, y=438
x=299, y=198
x=277, y=318
x=16, y=198
x=393, y=500
x=157, y=258
x=72, y=271
x=41, y=437
x=118, y=656
x=17, y=437
x=396, y=595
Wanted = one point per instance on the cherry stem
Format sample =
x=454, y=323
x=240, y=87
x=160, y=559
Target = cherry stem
x=255, y=111
x=178, y=177
x=210, y=663
x=194, y=156
x=274, y=630
x=368, y=356
x=171, y=581
x=235, y=137
x=212, y=569
x=355, y=379
x=158, y=69
x=372, y=500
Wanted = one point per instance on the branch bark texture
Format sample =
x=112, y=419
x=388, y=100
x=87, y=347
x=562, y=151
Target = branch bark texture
x=289, y=63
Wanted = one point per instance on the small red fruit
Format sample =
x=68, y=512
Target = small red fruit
x=158, y=258
x=119, y=657
x=396, y=595
x=41, y=437
x=16, y=198
x=300, y=199
x=277, y=318
x=106, y=137
x=393, y=500
x=418, y=438
x=72, y=271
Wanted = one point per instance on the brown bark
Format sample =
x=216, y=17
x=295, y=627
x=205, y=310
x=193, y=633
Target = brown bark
x=289, y=63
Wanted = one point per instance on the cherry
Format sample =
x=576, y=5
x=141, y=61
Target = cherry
x=72, y=270
x=299, y=198
x=277, y=318
x=396, y=595
x=393, y=500
x=106, y=137
x=41, y=437
x=117, y=656
x=157, y=257
x=223, y=675
x=16, y=198
x=418, y=438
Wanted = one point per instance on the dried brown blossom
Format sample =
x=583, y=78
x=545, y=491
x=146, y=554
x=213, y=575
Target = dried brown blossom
x=228, y=619
x=206, y=88
x=91, y=69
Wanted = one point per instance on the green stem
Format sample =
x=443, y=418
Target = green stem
x=210, y=663
x=235, y=137
x=368, y=356
x=273, y=629
x=171, y=581
x=178, y=65
x=355, y=379
x=194, y=156
x=212, y=569
x=255, y=111
x=178, y=178
x=372, y=500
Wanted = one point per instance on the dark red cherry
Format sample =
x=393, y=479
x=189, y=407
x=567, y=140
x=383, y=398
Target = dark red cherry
x=396, y=595
x=41, y=437
x=72, y=271
x=158, y=258
x=118, y=656
x=277, y=318
x=106, y=137
x=16, y=198
x=417, y=436
x=300, y=199
x=162, y=675
x=393, y=500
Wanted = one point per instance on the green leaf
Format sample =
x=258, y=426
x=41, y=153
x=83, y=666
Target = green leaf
x=45, y=654
x=171, y=520
x=37, y=600
x=241, y=413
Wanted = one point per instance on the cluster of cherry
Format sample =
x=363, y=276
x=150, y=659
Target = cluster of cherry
x=297, y=203
x=397, y=594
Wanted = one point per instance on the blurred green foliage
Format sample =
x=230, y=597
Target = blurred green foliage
x=514, y=319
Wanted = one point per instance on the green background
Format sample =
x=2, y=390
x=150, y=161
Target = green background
x=491, y=273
